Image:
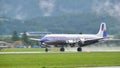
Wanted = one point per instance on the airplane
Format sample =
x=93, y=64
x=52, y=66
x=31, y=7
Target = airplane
x=74, y=39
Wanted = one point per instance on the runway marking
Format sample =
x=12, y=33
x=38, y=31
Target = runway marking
x=52, y=52
x=72, y=50
x=21, y=52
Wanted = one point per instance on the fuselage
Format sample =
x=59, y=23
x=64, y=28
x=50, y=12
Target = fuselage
x=63, y=39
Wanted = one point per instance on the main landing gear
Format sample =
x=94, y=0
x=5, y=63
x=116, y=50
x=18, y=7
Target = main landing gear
x=79, y=49
x=62, y=49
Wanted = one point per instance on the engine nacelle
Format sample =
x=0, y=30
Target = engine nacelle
x=70, y=41
x=81, y=41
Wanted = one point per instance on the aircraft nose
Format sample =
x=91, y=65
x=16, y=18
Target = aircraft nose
x=44, y=40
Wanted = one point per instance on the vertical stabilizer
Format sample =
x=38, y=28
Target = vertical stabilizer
x=102, y=31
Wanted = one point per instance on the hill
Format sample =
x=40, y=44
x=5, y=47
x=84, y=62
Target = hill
x=59, y=16
x=69, y=23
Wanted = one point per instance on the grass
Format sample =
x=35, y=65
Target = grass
x=60, y=60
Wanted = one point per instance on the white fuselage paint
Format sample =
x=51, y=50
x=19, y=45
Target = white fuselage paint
x=68, y=38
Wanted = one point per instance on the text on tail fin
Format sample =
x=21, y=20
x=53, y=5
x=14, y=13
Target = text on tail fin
x=102, y=31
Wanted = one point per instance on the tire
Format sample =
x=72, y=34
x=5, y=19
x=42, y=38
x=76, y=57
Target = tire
x=46, y=49
x=62, y=49
x=79, y=49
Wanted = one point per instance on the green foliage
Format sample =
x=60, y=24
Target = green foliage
x=25, y=38
x=15, y=36
x=80, y=33
x=60, y=60
x=6, y=38
x=69, y=23
x=117, y=36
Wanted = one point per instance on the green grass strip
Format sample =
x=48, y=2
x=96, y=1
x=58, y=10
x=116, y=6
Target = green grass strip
x=60, y=60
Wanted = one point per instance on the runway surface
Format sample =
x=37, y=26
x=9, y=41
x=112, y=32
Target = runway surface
x=95, y=49
x=69, y=50
x=72, y=50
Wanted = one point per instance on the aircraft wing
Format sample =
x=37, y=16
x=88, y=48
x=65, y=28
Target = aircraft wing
x=112, y=39
x=87, y=42
x=92, y=41
x=35, y=39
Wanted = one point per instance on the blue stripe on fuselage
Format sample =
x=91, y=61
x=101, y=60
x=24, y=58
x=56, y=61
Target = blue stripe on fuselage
x=52, y=39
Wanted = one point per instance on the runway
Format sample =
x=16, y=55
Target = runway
x=22, y=52
x=70, y=50
x=95, y=49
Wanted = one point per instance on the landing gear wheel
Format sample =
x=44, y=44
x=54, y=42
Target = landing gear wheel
x=62, y=49
x=79, y=49
x=46, y=49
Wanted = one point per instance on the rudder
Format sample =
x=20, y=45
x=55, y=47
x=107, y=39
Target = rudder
x=102, y=31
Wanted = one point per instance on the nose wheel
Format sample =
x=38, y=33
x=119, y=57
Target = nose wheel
x=46, y=49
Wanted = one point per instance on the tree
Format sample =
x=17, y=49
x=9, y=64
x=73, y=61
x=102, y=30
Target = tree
x=117, y=35
x=25, y=38
x=15, y=36
x=80, y=33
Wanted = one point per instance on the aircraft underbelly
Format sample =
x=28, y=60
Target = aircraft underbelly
x=63, y=42
x=59, y=42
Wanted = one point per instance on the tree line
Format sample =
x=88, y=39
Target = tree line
x=24, y=39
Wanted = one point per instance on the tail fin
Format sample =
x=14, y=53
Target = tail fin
x=102, y=31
